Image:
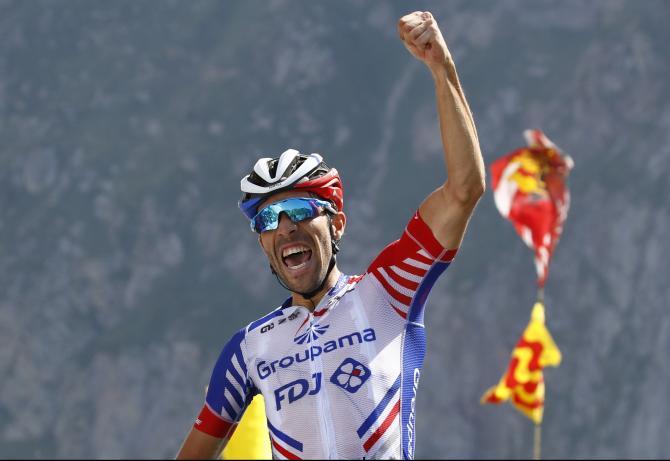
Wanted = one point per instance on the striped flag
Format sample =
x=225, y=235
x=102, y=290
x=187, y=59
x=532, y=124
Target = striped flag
x=523, y=382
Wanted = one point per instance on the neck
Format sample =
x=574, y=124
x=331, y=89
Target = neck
x=311, y=303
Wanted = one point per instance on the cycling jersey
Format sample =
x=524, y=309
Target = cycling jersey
x=341, y=381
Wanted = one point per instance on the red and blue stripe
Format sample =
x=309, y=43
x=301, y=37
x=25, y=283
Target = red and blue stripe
x=283, y=444
x=376, y=425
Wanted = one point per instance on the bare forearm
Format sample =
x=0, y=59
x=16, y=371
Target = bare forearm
x=465, y=166
x=199, y=445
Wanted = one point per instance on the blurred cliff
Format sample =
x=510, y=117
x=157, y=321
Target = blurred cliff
x=125, y=264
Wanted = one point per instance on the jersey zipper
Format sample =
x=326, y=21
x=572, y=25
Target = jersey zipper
x=323, y=403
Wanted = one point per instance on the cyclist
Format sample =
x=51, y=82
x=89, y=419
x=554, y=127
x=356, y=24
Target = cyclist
x=339, y=361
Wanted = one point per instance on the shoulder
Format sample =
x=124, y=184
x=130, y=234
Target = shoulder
x=238, y=342
x=244, y=343
x=268, y=331
x=416, y=242
x=267, y=322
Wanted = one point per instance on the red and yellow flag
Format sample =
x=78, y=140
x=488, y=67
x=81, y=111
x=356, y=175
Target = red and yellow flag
x=529, y=188
x=523, y=381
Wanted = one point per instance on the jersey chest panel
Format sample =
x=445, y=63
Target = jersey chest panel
x=331, y=370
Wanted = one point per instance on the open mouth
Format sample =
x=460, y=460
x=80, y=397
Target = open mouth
x=296, y=256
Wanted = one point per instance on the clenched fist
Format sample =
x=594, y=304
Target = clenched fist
x=422, y=37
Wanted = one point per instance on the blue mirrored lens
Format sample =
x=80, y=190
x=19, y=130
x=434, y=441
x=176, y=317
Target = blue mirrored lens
x=297, y=209
x=265, y=220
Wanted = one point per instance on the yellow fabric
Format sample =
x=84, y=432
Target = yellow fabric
x=523, y=382
x=251, y=439
x=528, y=176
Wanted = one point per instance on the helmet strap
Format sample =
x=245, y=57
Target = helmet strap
x=335, y=243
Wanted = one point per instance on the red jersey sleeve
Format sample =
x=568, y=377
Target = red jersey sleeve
x=407, y=268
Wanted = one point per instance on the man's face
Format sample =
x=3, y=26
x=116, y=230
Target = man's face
x=300, y=252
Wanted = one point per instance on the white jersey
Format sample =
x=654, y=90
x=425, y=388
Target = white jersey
x=341, y=381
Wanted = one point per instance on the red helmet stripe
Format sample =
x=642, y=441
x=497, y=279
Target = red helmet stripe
x=328, y=187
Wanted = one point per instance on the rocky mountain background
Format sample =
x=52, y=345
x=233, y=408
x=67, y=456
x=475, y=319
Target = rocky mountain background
x=125, y=264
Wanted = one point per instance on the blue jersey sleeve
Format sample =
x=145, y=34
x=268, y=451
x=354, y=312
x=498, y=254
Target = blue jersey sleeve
x=230, y=390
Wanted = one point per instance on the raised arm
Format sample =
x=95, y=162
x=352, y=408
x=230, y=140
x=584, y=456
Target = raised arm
x=447, y=210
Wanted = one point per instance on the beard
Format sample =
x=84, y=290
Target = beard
x=309, y=283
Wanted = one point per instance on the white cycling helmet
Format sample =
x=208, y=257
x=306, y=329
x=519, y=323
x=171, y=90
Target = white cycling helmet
x=292, y=170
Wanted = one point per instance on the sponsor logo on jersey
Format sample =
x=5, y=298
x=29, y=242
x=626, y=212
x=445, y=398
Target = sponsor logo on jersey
x=295, y=390
x=410, y=420
x=350, y=375
x=313, y=332
x=266, y=369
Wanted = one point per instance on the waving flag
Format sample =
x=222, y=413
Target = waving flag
x=523, y=381
x=529, y=189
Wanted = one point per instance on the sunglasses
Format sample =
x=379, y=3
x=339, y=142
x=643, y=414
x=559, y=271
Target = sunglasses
x=297, y=209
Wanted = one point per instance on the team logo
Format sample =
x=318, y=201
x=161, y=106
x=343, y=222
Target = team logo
x=350, y=375
x=313, y=332
x=297, y=389
x=266, y=368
